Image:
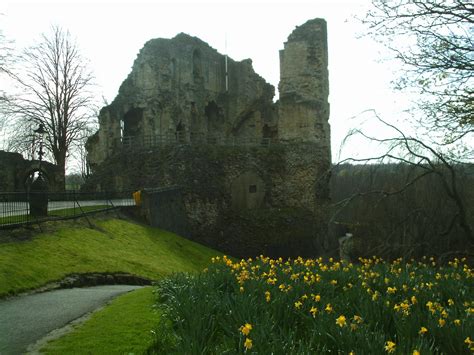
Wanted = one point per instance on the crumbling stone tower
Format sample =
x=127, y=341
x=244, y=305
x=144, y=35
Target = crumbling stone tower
x=304, y=85
x=253, y=173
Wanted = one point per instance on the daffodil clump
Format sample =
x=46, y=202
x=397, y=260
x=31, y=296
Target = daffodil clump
x=305, y=306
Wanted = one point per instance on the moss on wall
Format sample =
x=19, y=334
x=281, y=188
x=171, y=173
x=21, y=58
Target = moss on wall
x=290, y=221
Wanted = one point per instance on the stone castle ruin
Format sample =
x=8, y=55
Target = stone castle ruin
x=252, y=173
x=16, y=173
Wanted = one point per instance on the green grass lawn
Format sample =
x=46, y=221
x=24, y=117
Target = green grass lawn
x=112, y=245
x=123, y=327
x=66, y=212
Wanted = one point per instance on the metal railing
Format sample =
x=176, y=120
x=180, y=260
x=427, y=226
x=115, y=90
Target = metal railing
x=15, y=206
x=191, y=138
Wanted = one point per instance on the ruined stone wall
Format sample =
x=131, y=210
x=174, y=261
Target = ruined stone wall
x=177, y=87
x=241, y=199
x=15, y=170
x=227, y=190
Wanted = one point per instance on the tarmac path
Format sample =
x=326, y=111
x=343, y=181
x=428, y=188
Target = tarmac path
x=26, y=319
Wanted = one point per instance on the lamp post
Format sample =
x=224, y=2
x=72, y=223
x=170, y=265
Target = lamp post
x=39, y=187
x=40, y=131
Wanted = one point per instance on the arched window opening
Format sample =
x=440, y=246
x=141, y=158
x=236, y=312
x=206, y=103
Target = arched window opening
x=197, y=66
x=132, y=122
x=180, y=132
x=212, y=113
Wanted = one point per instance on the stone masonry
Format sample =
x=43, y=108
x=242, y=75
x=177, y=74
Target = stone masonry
x=253, y=173
x=15, y=173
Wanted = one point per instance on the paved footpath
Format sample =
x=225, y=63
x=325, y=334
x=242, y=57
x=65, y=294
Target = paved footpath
x=26, y=319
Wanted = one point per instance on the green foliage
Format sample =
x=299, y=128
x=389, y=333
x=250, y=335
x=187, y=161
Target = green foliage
x=395, y=210
x=125, y=326
x=113, y=245
x=66, y=212
x=312, y=307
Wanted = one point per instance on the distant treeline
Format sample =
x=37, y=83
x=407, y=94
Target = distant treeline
x=404, y=210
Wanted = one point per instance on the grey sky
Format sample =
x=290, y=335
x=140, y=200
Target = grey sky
x=110, y=34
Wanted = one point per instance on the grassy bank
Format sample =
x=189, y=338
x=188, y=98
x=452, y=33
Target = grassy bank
x=110, y=245
x=123, y=327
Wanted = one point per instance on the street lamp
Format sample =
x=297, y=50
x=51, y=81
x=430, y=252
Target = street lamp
x=41, y=132
x=39, y=187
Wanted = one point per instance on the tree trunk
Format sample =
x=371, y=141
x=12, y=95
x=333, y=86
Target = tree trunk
x=61, y=163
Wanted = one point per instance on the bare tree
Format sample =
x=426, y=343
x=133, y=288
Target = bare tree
x=434, y=41
x=5, y=65
x=421, y=193
x=6, y=60
x=4, y=53
x=53, y=85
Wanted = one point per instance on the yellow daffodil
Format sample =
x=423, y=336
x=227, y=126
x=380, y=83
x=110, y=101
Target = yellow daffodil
x=441, y=322
x=248, y=344
x=341, y=321
x=457, y=322
x=313, y=311
x=267, y=296
x=416, y=352
x=298, y=304
x=328, y=308
x=245, y=329
x=422, y=330
x=271, y=281
x=375, y=296
x=470, y=343
x=390, y=346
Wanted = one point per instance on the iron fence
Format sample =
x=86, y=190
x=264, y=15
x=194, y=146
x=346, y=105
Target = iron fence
x=15, y=207
x=191, y=138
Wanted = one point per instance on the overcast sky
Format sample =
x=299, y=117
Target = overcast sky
x=110, y=34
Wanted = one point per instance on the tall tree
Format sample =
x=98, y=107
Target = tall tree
x=54, y=89
x=434, y=42
x=425, y=163
x=5, y=66
x=4, y=52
